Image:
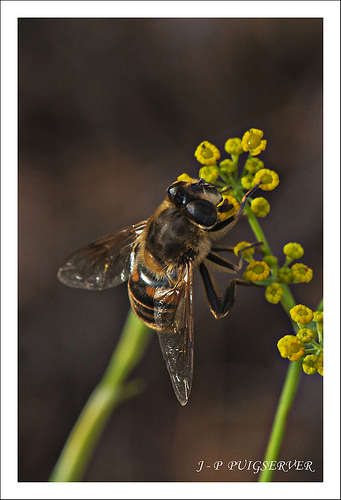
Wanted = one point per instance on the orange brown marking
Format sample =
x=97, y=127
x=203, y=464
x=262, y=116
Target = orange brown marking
x=150, y=290
x=135, y=274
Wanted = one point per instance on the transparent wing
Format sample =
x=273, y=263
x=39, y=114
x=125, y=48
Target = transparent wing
x=174, y=320
x=105, y=263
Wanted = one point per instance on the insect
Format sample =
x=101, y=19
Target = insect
x=157, y=257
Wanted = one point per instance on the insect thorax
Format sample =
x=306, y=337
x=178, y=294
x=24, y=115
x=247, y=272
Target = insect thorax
x=171, y=238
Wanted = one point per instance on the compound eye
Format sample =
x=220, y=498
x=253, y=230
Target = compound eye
x=177, y=194
x=202, y=212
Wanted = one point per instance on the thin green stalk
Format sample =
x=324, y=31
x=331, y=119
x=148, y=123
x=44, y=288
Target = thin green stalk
x=110, y=391
x=280, y=421
x=294, y=371
x=257, y=230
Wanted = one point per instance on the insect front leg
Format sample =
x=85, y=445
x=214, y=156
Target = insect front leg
x=220, y=308
x=220, y=261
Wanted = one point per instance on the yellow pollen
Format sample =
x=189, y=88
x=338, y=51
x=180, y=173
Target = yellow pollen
x=254, y=141
x=258, y=268
x=266, y=179
x=207, y=153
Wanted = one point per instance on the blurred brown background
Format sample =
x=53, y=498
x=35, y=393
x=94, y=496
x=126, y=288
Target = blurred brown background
x=110, y=113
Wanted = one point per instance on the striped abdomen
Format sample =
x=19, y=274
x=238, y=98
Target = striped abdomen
x=142, y=286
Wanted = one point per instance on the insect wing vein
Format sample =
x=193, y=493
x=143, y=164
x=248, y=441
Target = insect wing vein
x=175, y=331
x=105, y=263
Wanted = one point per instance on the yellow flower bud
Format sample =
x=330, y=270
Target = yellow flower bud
x=305, y=334
x=252, y=141
x=301, y=314
x=290, y=347
x=257, y=270
x=311, y=364
x=273, y=293
x=252, y=165
x=284, y=275
x=209, y=173
x=318, y=316
x=301, y=273
x=293, y=250
x=247, y=181
x=260, y=207
x=207, y=154
x=268, y=178
x=234, y=146
x=227, y=166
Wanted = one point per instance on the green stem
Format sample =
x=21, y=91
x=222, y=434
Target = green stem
x=294, y=371
x=257, y=230
x=279, y=424
x=110, y=391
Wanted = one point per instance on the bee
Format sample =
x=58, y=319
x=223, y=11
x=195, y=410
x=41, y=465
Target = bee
x=157, y=257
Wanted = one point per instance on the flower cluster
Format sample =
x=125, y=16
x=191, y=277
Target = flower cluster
x=304, y=345
x=225, y=176
x=298, y=273
x=234, y=183
x=226, y=172
x=270, y=275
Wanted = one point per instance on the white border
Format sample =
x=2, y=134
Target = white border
x=143, y=9
x=10, y=11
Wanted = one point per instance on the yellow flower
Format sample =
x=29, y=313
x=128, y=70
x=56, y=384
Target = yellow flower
x=185, y=178
x=284, y=275
x=273, y=293
x=229, y=206
x=290, y=347
x=260, y=207
x=268, y=178
x=207, y=154
x=318, y=316
x=305, y=334
x=319, y=364
x=302, y=273
x=311, y=364
x=301, y=314
x=252, y=141
x=247, y=181
x=293, y=250
x=247, y=254
x=209, y=173
x=234, y=146
x=252, y=165
x=257, y=270
x=227, y=166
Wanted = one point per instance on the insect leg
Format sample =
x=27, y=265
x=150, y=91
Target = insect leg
x=220, y=309
x=224, y=223
x=222, y=249
x=245, y=197
x=220, y=261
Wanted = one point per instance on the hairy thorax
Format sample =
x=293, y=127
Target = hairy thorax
x=170, y=239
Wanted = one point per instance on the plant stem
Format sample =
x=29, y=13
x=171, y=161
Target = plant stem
x=279, y=424
x=293, y=374
x=257, y=230
x=106, y=396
